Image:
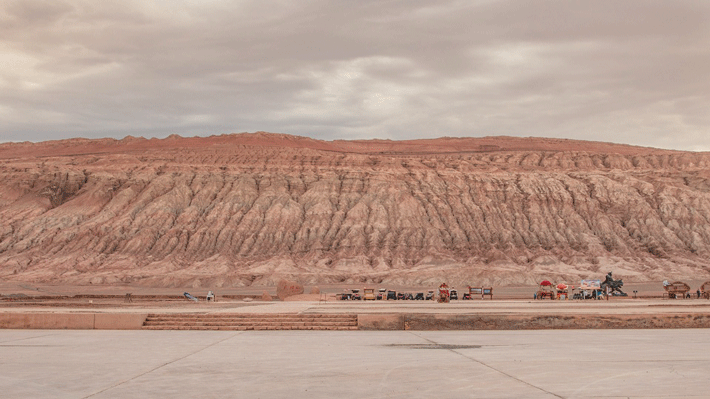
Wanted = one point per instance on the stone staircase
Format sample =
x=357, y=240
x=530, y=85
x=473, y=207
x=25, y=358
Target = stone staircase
x=243, y=322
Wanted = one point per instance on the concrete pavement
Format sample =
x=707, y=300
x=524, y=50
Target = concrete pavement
x=357, y=364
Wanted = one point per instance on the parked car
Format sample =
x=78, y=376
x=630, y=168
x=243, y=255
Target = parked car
x=466, y=296
x=356, y=295
x=400, y=296
x=345, y=296
x=453, y=294
x=392, y=295
x=419, y=296
x=430, y=295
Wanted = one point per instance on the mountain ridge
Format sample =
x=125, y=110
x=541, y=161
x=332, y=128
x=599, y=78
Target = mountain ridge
x=435, y=145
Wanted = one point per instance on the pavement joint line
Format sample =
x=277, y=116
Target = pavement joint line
x=596, y=382
x=163, y=365
x=23, y=339
x=385, y=376
x=489, y=366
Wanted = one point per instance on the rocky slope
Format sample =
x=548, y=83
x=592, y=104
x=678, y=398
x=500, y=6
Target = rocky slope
x=248, y=209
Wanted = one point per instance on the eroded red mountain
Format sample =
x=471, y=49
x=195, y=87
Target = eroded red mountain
x=246, y=209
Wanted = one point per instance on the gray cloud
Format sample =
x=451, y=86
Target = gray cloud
x=631, y=72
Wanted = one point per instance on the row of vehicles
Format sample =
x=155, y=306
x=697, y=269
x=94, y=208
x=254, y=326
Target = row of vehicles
x=369, y=294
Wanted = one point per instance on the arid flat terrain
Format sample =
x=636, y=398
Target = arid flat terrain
x=247, y=210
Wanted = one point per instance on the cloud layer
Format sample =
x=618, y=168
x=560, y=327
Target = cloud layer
x=630, y=72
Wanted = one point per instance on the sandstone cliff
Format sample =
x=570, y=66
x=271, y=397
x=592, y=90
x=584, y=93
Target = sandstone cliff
x=248, y=209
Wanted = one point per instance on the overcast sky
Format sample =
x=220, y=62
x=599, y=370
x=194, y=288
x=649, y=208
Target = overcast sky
x=635, y=72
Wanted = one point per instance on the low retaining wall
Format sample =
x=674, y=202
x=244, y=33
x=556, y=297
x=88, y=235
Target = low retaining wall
x=406, y=321
x=383, y=322
x=395, y=321
x=72, y=321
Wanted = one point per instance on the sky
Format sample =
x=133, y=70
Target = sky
x=623, y=71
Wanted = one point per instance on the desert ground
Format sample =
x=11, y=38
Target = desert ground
x=56, y=297
x=23, y=292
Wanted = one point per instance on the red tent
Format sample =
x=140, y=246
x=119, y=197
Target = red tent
x=545, y=283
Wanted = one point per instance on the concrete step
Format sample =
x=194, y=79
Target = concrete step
x=255, y=322
x=279, y=319
x=250, y=322
x=252, y=316
x=243, y=328
x=251, y=325
x=251, y=319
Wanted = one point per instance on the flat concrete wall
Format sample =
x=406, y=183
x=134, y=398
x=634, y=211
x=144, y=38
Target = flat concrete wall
x=381, y=321
x=119, y=321
x=72, y=321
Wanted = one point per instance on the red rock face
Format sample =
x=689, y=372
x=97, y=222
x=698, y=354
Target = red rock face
x=285, y=289
x=247, y=209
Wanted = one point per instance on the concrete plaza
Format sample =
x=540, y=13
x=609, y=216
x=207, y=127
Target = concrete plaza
x=356, y=364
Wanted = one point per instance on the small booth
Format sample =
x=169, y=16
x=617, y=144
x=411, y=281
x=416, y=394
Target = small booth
x=545, y=290
x=563, y=291
x=705, y=290
x=676, y=289
x=589, y=289
x=443, y=294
